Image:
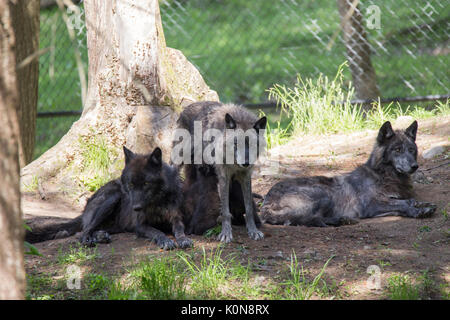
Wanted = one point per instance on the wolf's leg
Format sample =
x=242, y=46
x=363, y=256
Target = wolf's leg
x=155, y=235
x=399, y=207
x=225, y=215
x=97, y=212
x=178, y=232
x=237, y=206
x=246, y=185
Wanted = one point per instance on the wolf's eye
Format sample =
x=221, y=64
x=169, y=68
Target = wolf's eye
x=130, y=185
x=398, y=149
x=147, y=183
x=411, y=150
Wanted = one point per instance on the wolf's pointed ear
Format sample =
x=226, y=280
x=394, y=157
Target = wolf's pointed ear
x=129, y=155
x=260, y=124
x=411, y=131
x=385, y=132
x=155, y=158
x=229, y=122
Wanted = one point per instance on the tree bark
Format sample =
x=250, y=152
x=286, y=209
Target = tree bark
x=25, y=20
x=358, y=50
x=12, y=274
x=132, y=75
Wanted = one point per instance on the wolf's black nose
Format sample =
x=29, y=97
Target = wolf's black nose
x=137, y=207
x=414, y=167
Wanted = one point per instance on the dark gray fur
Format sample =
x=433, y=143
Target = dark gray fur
x=201, y=207
x=145, y=200
x=380, y=187
x=215, y=115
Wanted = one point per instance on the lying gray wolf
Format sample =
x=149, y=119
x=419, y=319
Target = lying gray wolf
x=380, y=187
x=144, y=200
x=240, y=139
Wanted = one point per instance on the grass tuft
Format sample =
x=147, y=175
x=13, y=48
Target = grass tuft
x=97, y=167
x=322, y=106
x=298, y=287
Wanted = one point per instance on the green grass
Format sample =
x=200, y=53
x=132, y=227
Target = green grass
x=208, y=275
x=76, y=255
x=199, y=274
x=99, y=161
x=33, y=185
x=213, y=232
x=404, y=287
x=160, y=278
x=211, y=275
x=401, y=287
x=276, y=40
x=258, y=44
x=178, y=277
x=59, y=82
x=309, y=108
x=298, y=287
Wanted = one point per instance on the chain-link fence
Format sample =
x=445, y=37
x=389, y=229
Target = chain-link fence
x=243, y=47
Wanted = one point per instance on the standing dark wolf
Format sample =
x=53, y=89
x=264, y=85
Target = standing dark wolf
x=145, y=200
x=380, y=187
x=238, y=129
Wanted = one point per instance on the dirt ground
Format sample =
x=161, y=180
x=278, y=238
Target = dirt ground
x=394, y=244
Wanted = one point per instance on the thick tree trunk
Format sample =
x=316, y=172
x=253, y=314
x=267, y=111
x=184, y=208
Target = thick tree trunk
x=132, y=75
x=25, y=20
x=12, y=274
x=358, y=50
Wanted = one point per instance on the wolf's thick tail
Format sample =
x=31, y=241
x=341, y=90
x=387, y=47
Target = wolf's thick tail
x=54, y=231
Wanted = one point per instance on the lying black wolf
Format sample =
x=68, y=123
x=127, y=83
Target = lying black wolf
x=144, y=200
x=380, y=187
x=201, y=207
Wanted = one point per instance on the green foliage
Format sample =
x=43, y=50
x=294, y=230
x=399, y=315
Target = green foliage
x=404, y=287
x=298, y=287
x=310, y=106
x=207, y=275
x=262, y=44
x=29, y=248
x=79, y=254
x=33, y=185
x=161, y=279
x=214, y=231
x=401, y=287
x=98, y=160
x=97, y=283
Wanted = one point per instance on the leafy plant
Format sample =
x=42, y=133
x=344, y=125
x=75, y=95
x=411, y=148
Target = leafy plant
x=29, y=248
x=401, y=287
x=297, y=286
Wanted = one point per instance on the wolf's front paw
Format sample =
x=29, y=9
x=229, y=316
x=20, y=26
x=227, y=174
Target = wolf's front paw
x=101, y=237
x=185, y=242
x=87, y=240
x=165, y=243
x=256, y=234
x=225, y=236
